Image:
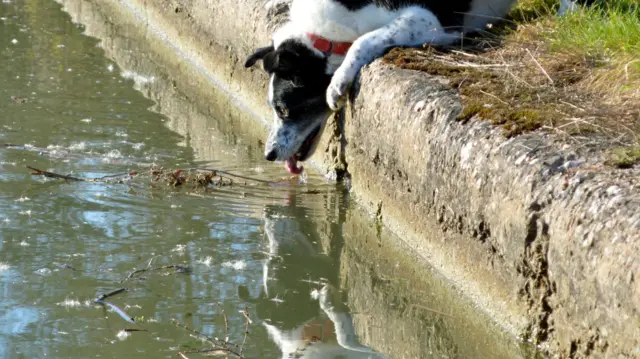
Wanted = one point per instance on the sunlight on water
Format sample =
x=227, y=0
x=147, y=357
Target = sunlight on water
x=278, y=253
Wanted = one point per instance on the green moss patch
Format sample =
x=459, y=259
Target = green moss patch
x=625, y=157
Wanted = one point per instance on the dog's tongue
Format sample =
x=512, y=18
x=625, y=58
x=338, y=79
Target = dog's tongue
x=292, y=166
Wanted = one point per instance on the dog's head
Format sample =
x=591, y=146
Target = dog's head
x=297, y=87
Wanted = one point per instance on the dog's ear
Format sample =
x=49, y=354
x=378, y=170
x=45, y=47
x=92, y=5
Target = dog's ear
x=258, y=54
x=283, y=61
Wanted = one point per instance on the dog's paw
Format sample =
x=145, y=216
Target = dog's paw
x=337, y=91
x=335, y=98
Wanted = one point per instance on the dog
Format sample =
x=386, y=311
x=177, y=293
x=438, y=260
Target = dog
x=315, y=56
x=298, y=301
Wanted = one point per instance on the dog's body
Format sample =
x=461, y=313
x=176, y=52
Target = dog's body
x=318, y=53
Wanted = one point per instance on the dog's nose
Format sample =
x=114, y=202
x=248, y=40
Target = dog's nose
x=271, y=156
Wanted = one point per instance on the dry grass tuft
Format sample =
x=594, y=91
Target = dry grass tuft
x=541, y=72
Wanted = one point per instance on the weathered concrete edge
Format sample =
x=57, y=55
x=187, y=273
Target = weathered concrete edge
x=530, y=240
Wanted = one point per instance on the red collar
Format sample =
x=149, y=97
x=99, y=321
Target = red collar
x=329, y=47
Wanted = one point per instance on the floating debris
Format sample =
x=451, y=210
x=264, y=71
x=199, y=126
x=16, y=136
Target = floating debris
x=18, y=99
x=194, y=176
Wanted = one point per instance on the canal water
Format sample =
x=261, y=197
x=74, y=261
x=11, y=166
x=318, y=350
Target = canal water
x=262, y=266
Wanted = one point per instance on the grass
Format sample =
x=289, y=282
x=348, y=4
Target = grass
x=608, y=33
x=610, y=30
x=577, y=76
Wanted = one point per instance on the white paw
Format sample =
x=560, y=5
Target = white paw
x=337, y=91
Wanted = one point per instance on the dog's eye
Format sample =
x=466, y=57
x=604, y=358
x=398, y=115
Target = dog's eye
x=282, y=111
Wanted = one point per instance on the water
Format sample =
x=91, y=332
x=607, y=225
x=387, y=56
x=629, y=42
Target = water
x=296, y=255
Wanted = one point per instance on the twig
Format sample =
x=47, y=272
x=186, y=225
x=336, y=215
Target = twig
x=246, y=329
x=495, y=97
x=245, y=313
x=226, y=323
x=37, y=172
x=99, y=179
x=211, y=341
x=445, y=61
x=463, y=53
x=182, y=355
x=232, y=175
x=544, y=72
x=104, y=296
x=572, y=105
x=133, y=273
x=177, y=267
x=217, y=344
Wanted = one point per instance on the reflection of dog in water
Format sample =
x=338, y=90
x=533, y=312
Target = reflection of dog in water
x=305, y=319
x=331, y=337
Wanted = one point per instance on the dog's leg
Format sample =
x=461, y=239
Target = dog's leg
x=414, y=27
x=342, y=321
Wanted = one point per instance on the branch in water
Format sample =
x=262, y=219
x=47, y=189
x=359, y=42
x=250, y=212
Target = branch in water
x=104, y=296
x=37, y=172
x=199, y=176
x=177, y=267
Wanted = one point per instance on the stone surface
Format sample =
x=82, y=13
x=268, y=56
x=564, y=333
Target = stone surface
x=537, y=224
x=534, y=231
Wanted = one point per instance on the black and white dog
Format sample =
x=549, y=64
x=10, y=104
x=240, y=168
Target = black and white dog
x=317, y=54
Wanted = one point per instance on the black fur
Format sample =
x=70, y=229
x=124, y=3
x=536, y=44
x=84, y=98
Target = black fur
x=258, y=54
x=299, y=82
x=449, y=12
